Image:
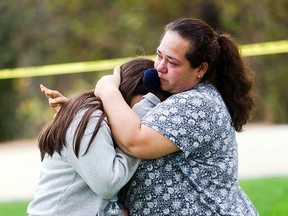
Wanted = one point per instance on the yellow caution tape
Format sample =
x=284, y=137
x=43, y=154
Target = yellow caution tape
x=68, y=68
x=266, y=48
x=104, y=65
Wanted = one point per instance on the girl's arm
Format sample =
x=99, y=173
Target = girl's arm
x=130, y=135
x=55, y=98
x=104, y=168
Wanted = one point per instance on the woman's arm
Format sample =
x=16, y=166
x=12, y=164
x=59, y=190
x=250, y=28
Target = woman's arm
x=130, y=135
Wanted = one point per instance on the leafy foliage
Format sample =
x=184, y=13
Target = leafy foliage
x=50, y=32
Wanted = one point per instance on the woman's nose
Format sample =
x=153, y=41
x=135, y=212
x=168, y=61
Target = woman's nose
x=161, y=67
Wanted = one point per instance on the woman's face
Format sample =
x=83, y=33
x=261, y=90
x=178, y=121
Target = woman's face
x=174, y=70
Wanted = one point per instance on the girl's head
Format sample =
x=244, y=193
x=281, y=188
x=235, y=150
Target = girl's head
x=131, y=86
x=53, y=137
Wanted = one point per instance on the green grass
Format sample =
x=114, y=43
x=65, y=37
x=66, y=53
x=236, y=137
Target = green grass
x=16, y=208
x=269, y=195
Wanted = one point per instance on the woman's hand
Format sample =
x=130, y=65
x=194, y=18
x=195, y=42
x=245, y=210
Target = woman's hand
x=55, y=98
x=135, y=139
x=108, y=81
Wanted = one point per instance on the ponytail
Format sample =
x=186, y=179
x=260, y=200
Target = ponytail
x=226, y=70
x=233, y=81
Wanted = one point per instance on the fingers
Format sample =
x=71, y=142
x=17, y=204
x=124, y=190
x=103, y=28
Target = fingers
x=56, y=109
x=117, y=76
x=46, y=91
x=56, y=104
x=43, y=88
x=108, y=81
x=55, y=98
x=50, y=93
x=53, y=94
x=52, y=103
x=117, y=70
x=58, y=101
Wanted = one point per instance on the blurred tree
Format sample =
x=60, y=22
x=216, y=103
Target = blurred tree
x=39, y=32
x=272, y=89
x=252, y=22
x=9, y=124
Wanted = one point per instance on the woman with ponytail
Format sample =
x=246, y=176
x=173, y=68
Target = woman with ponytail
x=188, y=140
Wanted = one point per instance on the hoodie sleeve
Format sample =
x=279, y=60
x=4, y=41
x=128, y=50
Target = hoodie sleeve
x=104, y=168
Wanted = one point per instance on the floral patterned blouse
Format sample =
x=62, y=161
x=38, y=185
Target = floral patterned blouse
x=202, y=178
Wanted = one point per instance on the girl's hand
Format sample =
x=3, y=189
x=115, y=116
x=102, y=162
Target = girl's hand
x=108, y=81
x=55, y=98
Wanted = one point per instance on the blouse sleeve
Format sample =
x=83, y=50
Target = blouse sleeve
x=186, y=119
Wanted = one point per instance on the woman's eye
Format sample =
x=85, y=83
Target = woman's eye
x=172, y=63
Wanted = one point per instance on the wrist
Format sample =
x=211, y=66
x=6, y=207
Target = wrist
x=108, y=92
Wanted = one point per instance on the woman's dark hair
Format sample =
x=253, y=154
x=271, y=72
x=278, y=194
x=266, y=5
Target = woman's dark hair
x=53, y=137
x=227, y=70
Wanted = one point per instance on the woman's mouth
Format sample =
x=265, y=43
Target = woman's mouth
x=162, y=80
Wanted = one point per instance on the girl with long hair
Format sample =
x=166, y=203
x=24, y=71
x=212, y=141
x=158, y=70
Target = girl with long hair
x=81, y=168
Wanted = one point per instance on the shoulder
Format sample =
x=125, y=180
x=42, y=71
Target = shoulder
x=95, y=115
x=204, y=91
x=201, y=105
x=92, y=122
x=204, y=94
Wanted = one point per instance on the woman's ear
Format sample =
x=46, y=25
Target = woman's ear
x=202, y=69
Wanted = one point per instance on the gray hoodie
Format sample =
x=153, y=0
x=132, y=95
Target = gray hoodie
x=83, y=186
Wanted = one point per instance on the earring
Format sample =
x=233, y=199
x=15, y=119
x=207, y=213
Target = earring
x=199, y=76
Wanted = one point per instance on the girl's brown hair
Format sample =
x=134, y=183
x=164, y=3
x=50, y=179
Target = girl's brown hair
x=53, y=137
